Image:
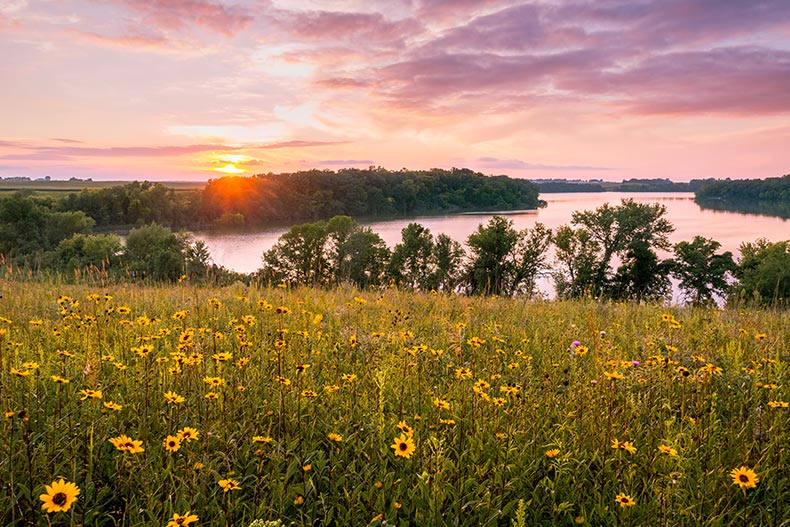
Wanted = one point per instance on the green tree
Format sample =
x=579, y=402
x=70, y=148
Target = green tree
x=411, y=260
x=448, y=256
x=631, y=231
x=154, y=251
x=298, y=256
x=81, y=250
x=763, y=272
x=701, y=271
x=575, y=262
x=504, y=261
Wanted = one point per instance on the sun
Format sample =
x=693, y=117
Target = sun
x=230, y=168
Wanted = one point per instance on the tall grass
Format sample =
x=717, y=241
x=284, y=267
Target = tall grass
x=538, y=394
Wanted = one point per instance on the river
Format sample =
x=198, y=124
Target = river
x=242, y=251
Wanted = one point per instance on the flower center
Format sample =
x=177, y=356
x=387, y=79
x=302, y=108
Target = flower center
x=744, y=478
x=403, y=446
x=59, y=499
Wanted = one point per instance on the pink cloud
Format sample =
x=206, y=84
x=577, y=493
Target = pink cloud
x=334, y=26
x=181, y=14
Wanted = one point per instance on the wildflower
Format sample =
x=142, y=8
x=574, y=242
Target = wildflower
x=778, y=404
x=125, y=444
x=744, y=477
x=552, y=453
x=30, y=365
x=282, y=310
x=228, y=484
x=405, y=428
x=20, y=373
x=214, y=381
x=60, y=496
x=449, y=422
x=261, y=439
x=113, y=406
x=348, y=377
x=625, y=500
x=179, y=520
x=581, y=351
x=334, y=437
x=441, y=404
x=463, y=373
x=172, y=443
x=668, y=450
x=403, y=446
x=283, y=380
x=188, y=434
x=710, y=369
x=221, y=357
x=90, y=394
x=309, y=394
x=173, y=398
x=298, y=500
x=629, y=447
x=307, y=468
x=58, y=379
x=211, y=395
x=123, y=310
x=614, y=375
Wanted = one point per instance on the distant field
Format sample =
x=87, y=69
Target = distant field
x=75, y=186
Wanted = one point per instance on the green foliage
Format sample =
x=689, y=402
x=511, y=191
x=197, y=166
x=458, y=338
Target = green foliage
x=28, y=225
x=631, y=231
x=763, y=272
x=324, y=253
x=79, y=251
x=154, y=251
x=701, y=271
x=317, y=194
x=535, y=443
x=505, y=261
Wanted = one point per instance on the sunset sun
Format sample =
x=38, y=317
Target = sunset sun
x=230, y=168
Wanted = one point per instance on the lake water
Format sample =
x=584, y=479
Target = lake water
x=242, y=251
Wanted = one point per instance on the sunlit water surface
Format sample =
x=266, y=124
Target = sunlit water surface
x=242, y=251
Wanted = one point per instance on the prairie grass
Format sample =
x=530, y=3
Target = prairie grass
x=520, y=412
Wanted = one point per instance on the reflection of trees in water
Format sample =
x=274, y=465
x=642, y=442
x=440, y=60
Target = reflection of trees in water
x=757, y=208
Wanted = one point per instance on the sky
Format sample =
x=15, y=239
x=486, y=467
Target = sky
x=577, y=89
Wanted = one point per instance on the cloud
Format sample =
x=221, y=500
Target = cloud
x=334, y=26
x=180, y=15
x=296, y=144
x=517, y=164
x=341, y=162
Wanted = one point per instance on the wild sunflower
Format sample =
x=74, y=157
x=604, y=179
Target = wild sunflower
x=552, y=453
x=59, y=496
x=668, y=450
x=188, y=434
x=744, y=477
x=180, y=520
x=625, y=500
x=173, y=398
x=334, y=437
x=403, y=446
x=228, y=484
x=126, y=444
x=405, y=428
x=172, y=443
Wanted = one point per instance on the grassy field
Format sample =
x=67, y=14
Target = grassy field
x=313, y=407
x=58, y=187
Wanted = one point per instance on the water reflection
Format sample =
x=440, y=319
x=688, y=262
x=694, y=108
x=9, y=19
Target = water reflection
x=242, y=251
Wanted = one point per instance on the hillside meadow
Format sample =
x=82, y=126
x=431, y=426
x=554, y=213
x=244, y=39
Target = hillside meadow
x=189, y=405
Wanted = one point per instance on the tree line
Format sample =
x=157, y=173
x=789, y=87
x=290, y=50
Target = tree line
x=610, y=252
x=770, y=190
x=259, y=200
